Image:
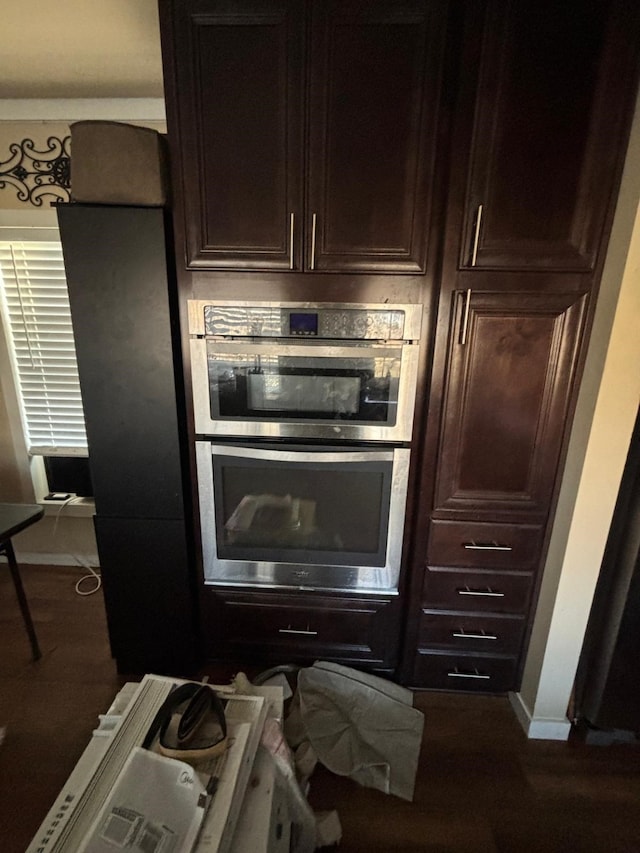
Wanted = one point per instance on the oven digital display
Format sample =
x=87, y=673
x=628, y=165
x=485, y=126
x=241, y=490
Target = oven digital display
x=303, y=324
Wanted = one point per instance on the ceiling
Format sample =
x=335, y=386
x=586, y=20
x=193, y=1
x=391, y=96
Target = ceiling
x=80, y=49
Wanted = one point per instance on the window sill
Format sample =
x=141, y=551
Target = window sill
x=74, y=508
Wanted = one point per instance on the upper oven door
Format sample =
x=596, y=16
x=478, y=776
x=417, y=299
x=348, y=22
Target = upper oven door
x=318, y=389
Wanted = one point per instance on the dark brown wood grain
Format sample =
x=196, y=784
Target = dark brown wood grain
x=272, y=136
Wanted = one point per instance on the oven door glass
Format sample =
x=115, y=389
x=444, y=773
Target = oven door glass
x=312, y=390
x=302, y=516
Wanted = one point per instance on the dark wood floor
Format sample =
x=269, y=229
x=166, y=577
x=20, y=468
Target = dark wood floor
x=482, y=786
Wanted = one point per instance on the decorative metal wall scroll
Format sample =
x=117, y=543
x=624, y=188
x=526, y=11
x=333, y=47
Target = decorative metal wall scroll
x=36, y=174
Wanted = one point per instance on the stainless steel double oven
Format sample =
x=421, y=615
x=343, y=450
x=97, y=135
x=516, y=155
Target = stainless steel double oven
x=303, y=413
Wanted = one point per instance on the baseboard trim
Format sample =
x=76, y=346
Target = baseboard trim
x=36, y=558
x=538, y=729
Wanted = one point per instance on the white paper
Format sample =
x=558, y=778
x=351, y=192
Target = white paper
x=157, y=806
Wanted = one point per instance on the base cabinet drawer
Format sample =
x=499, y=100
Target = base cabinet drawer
x=478, y=590
x=475, y=673
x=462, y=632
x=483, y=545
x=285, y=628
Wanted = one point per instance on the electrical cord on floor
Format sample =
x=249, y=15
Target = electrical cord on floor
x=93, y=574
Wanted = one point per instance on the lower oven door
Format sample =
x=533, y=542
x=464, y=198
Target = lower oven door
x=298, y=516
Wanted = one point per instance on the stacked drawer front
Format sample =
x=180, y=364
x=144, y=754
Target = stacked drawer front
x=278, y=627
x=476, y=595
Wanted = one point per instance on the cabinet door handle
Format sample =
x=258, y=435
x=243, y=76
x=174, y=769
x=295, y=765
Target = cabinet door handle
x=291, y=235
x=476, y=237
x=462, y=674
x=472, y=635
x=465, y=318
x=486, y=593
x=290, y=630
x=313, y=241
x=486, y=546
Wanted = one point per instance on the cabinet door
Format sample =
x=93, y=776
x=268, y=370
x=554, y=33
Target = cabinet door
x=511, y=367
x=375, y=71
x=549, y=117
x=235, y=121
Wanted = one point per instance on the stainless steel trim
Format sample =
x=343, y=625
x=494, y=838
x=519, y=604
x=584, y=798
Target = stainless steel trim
x=471, y=546
x=300, y=456
x=291, y=233
x=476, y=237
x=412, y=312
x=363, y=579
x=300, y=428
x=465, y=319
x=312, y=348
x=313, y=242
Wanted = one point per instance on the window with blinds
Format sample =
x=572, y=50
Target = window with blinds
x=36, y=311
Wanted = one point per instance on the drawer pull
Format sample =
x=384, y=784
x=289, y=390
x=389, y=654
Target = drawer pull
x=482, y=593
x=475, y=674
x=290, y=630
x=472, y=635
x=486, y=546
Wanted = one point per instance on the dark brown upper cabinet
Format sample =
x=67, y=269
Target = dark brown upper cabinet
x=304, y=131
x=551, y=101
x=512, y=363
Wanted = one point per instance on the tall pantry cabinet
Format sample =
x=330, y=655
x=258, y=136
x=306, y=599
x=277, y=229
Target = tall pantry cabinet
x=537, y=145
x=481, y=183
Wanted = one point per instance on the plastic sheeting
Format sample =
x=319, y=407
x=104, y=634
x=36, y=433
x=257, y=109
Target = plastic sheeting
x=359, y=725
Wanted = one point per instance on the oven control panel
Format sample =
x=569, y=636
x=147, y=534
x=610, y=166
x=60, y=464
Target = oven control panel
x=290, y=320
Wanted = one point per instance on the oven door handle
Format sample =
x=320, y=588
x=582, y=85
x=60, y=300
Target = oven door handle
x=311, y=349
x=302, y=456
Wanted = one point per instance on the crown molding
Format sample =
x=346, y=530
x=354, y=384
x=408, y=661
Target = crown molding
x=79, y=109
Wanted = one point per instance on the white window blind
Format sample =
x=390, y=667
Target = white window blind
x=36, y=307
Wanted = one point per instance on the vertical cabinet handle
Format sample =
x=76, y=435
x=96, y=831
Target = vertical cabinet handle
x=465, y=318
x=476, y=237
x=292, y=220
x=313, y=242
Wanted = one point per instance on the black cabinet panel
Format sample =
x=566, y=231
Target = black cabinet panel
x=148, y=594
x=116, y=265
x=120, y=292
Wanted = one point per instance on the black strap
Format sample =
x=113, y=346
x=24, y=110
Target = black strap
x=201, y=700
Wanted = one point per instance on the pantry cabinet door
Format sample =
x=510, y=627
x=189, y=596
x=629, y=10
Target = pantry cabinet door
x=512, y=363
x=551, y=105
